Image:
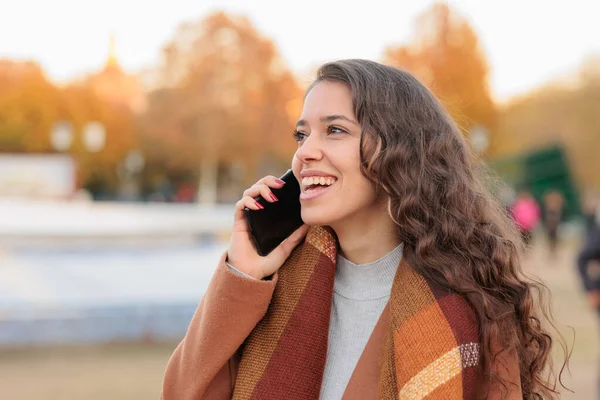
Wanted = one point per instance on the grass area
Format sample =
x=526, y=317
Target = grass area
x=116, y=372
x=135, y=371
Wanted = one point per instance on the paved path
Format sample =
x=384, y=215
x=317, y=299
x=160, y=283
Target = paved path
x=574, y=318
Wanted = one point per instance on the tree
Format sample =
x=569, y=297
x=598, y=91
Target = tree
x=223, y=96
x=29, y=104
x=82, y=104
x=564, y=113
x=446, y=56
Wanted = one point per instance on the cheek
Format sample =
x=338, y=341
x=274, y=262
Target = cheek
x=345, y=156
x=361, y=188
x=296, y=167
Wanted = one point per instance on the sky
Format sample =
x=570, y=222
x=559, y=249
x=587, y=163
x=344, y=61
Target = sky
x=527, y=42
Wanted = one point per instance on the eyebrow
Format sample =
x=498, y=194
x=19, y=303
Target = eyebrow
x=328, y=118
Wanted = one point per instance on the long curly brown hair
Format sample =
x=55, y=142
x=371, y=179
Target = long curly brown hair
x=454, y=231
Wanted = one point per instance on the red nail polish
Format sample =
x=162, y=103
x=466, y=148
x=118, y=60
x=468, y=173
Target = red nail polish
x=259, y=205
x=273, y=196
x=280, y=181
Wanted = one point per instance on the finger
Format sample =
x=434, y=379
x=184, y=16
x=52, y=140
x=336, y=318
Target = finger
x=263, y=190
x=244, y=202
x=271, y=181
x=252, y=204
x=283, y=251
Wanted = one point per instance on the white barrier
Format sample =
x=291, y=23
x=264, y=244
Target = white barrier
x=76, y=296
x=51, y=219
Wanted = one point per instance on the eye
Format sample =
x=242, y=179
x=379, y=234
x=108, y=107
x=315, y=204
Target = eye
x=299, y=136
x=332, y=129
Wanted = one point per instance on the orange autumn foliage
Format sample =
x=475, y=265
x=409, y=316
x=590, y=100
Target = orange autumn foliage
x=223, y=95
x=446, y=56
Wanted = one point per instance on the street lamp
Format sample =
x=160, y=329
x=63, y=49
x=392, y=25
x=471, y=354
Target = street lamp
x=128, y=171
x=61, y=136
x=94, y=137
x=134, y=162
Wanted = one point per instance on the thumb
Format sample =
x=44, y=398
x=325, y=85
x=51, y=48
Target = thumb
x=283, y=251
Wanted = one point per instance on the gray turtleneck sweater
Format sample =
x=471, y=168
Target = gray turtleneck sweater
x=360, y=293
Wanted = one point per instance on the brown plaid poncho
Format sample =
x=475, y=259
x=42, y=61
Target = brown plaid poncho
x=431, y=347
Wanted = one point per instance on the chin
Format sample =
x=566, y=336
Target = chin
x=316, y=217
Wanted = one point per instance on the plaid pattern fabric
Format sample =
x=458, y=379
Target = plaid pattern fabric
x=431, y=347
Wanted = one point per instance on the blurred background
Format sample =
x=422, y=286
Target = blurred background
x=129, y=129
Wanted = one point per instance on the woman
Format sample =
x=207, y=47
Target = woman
x=407, y=284
x=553, y=213
x=526, y=214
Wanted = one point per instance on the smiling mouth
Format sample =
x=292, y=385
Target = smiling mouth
x=312, y=184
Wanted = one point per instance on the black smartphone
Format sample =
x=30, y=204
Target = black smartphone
x=276, y=221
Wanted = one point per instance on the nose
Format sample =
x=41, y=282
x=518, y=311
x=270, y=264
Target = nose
x=310, y=150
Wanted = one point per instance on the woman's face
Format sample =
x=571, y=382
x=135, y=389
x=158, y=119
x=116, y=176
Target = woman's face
x=327, y=162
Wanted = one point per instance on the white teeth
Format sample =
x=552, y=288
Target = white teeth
x=318, y=180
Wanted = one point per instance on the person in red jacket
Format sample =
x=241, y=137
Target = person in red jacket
x=404, y=283
x=526, y=213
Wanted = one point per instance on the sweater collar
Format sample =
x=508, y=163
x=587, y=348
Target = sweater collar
x=367, y=281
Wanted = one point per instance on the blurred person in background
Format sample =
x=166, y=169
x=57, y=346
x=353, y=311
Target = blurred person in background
x=526, y=213
x=588, y=261
x=553, y=212
x=405, y=281
x=591, y=211
x=186, y=192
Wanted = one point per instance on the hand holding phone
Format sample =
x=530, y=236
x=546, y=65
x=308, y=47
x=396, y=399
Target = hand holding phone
x=275, y=221
x=248, y=251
